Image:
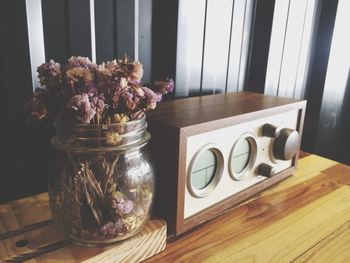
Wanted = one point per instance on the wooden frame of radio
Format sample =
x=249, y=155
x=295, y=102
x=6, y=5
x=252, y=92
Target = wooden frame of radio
x=212, y=152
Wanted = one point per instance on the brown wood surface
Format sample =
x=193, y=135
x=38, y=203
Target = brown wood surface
x=305, y=218
x=204, y=113
x=27, y=233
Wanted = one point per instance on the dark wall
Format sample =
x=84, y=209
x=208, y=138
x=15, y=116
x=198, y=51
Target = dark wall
x=316, y=81
x=25, y=149
x=66, y=29
x=261, y=34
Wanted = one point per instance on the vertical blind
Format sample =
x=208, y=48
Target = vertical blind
x=286, y=48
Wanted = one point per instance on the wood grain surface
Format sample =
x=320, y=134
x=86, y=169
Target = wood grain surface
x=305, y=218
x=220, y=110
x=302, y=219
x=27, y=233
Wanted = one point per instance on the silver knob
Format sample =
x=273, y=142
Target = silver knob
x=266, y=170
x=286, y=141
x=286, y=144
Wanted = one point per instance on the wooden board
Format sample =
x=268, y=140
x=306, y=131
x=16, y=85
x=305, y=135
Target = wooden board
x=305, y=218
x=28, y=233
x=334, y=248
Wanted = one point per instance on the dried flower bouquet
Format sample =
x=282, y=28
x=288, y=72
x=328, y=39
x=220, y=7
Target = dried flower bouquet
x=99, y=193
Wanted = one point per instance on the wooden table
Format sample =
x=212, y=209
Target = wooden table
x=305, y=218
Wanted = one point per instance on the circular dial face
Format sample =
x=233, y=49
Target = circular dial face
x=240, y=156
x=243, y=156
x=203, y=169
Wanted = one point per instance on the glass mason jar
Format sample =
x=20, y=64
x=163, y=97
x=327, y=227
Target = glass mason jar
x=102, y=182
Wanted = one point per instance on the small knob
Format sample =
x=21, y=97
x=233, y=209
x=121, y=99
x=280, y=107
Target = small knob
x=266, y=170
x=270, y=130
x=286, y=144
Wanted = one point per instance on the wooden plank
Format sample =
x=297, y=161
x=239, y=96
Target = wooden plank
x=29, y=222
x=309, y=167
x=334, y=248
x=47, y=244
x=243, y=221
x=196, y=111
x=268, y=233
x=30, y=210
x=291, y=236
x=285, y=224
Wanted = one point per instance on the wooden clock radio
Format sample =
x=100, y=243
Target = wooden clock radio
x=212, y=152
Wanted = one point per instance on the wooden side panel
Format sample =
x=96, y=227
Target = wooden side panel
x=164, y=147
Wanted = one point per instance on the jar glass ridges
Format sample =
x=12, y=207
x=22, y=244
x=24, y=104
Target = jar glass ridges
x=101, y=186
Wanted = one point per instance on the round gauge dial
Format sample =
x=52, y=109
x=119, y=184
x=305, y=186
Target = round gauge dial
x=243, y=155
x=205, y=171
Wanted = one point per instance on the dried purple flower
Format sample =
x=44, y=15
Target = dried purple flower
x=123, y=207
x=81, y=80
x=50, y=74
x=119, y=226
x=80, y=62
x=112, y=65
x=133, y=71
x=163, y=86
x=136, y=71
x=131, y=101
x=96, y=93
x=98, y=103
x=82, y=106
x=151, y=98
x=112, y=229
x=108, y=229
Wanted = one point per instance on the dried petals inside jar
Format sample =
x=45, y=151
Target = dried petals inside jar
x=101, y=188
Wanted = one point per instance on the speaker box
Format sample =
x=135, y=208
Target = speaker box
x=212, y=152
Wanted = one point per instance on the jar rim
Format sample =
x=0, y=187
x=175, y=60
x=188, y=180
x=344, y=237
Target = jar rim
x=59, y=123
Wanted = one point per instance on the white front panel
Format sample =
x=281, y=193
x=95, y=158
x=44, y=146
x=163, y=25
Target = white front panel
x=224, y=139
